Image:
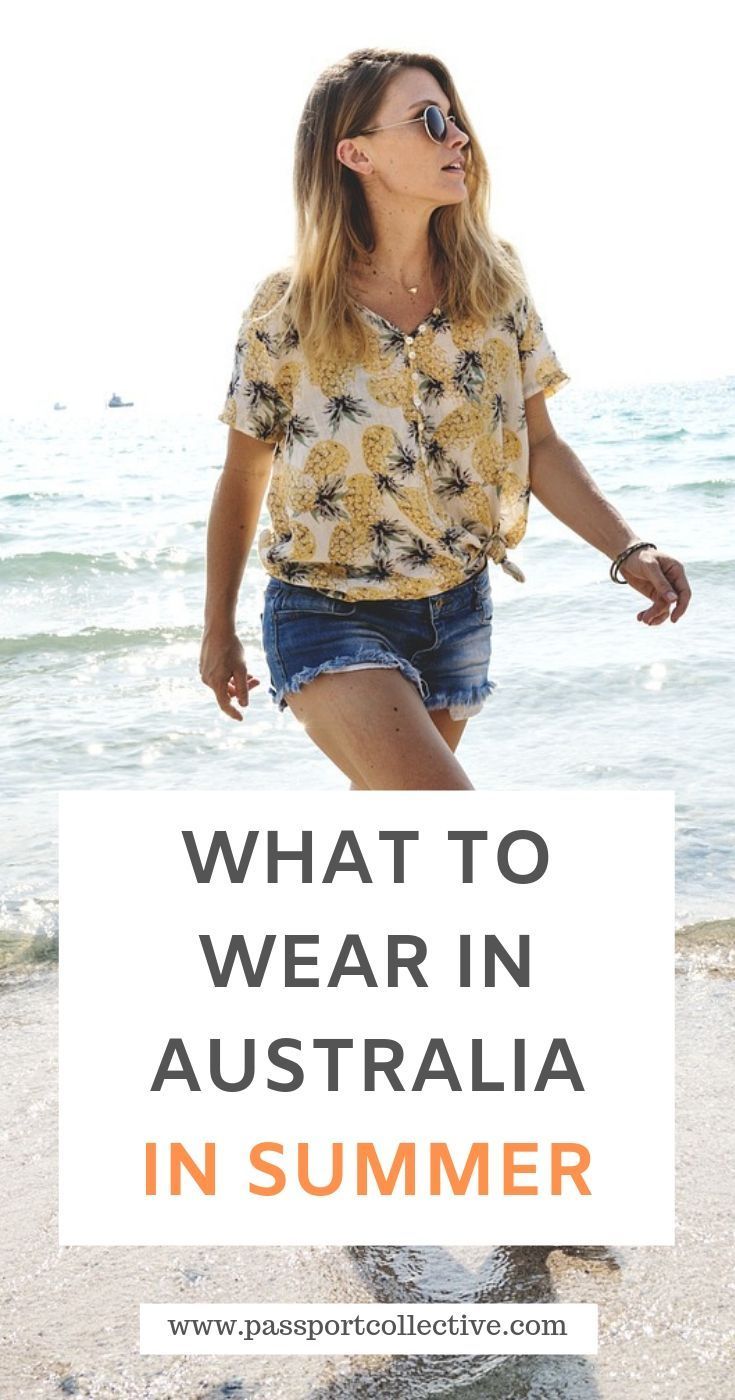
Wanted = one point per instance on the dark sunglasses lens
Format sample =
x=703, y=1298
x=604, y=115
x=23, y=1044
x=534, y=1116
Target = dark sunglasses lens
x=435, y=123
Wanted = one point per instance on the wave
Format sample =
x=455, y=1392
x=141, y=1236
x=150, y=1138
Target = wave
x=713, y=484
x=708, y=945
x=56, y=563
x=628, y=437
x=29, y=952
x=710, y=568
x=19, y=498
x=104, y=639
x=665, y=435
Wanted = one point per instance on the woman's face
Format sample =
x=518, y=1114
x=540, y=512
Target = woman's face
x=404, y=160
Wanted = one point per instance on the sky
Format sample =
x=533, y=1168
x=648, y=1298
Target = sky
x=147, y=163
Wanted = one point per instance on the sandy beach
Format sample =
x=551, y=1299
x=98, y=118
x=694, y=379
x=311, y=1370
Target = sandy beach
x=666, y=1314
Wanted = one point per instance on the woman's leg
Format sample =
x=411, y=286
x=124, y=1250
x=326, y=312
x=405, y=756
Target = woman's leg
x=450, y=729
x=374, y=726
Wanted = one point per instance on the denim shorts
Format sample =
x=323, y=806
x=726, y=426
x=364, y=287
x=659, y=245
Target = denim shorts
x=441, y=643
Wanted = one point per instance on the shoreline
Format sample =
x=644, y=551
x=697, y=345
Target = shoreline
x=20, y=957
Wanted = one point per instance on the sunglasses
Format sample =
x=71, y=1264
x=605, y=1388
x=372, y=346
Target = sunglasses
x=435, y=124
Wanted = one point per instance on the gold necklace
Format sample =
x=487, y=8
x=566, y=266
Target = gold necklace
x=412, y=291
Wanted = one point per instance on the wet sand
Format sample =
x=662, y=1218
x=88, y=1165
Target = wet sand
x=70, y=1316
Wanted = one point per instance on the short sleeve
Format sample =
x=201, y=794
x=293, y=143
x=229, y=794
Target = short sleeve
x=540, y=367
x=254, y=402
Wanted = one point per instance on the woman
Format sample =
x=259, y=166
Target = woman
x=394, y=380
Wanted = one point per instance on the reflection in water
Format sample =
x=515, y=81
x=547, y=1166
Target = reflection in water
x=405, y=1274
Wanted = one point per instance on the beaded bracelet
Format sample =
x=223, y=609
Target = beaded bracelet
x=615, y=566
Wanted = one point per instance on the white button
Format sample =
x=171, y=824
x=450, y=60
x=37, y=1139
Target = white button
x=415, y=377
x=412, y=354
x=409, y=340
x=417, y=400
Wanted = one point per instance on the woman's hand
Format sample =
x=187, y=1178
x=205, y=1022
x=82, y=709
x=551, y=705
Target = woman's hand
x=222, y=667
x=660, y=578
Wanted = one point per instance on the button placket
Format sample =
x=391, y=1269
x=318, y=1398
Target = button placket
x=416, y=397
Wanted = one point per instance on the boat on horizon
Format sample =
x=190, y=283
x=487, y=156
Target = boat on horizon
x=117, y=402
x=59, y=405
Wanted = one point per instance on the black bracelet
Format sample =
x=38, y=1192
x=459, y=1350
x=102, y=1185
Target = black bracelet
x=615, y=566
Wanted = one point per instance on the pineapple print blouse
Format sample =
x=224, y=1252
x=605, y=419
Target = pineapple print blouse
x=400, y=476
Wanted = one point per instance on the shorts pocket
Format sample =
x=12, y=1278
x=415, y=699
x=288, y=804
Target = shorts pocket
x=295, y=601
x=483, y=597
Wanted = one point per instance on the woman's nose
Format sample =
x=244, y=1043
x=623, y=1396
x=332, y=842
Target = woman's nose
x=456, y=138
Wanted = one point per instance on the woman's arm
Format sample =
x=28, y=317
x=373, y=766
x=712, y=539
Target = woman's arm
x=233, y=521
x=560, y=481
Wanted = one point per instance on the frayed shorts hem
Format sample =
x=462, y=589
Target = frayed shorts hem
x=461, y=704
x=347, y=663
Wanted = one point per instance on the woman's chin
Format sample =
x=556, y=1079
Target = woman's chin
x=458, y=189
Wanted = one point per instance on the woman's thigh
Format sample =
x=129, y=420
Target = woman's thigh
x=450, y=729
x=374, y=726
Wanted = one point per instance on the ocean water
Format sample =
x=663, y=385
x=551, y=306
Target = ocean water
x=102, y=546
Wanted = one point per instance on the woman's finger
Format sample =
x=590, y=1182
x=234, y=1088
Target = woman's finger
x=252, y=681
x=663, y=580
x=660, y=583
x=654, y=614
x=239, y=681
x=677, y=587
x=681, y=584
x=223, y=700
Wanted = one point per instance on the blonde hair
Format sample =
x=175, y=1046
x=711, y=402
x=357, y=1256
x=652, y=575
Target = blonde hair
x=480, y=273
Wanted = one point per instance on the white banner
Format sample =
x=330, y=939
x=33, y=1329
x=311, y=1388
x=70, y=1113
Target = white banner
x=366, y=1017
